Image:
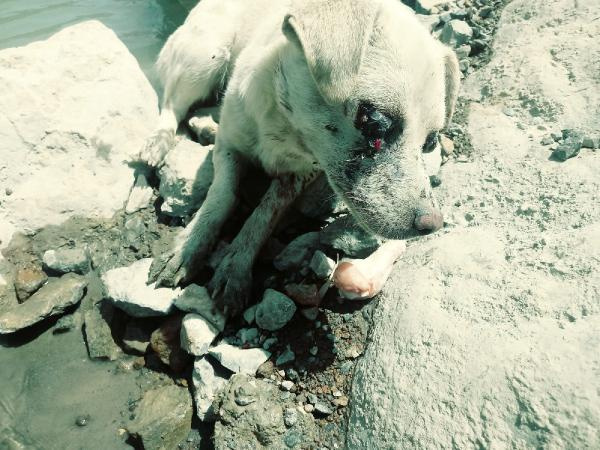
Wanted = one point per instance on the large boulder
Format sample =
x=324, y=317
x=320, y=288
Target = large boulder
x=487, y=335
x=75, y=108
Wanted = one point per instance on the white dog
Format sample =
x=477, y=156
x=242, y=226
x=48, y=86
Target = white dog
x=355, y=89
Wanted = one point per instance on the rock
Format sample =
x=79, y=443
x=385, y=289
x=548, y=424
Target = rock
x=303, y=294
x=166, y=343
x=197, y=334
x=570, y=146
x=547, y=140
x=52, y=299
x=591, y=142
x=341, y=402
x=297, y=251
x=323, y=408
x=76, y=108
x=185, y=178
x=435, y=181
x=164, y=418
x=65, y=260
x=195, y=299
x=253, y=415
x=274, y=311
x=287, y=385
x=426, y=6
x=456, y=33
x=28, y=280
x=64, y=324
x=345, y=235
x=140, y=196
x=126, y=287
x=208, y=380
x=269, y=342
x=310, y=313
x=286, y=357
x=136, y=337
x=250, y=314
x=239, y=360
x=98, y=333
x=321, y=265
x=248, y=335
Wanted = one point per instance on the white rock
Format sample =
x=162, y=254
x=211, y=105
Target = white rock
x=197, y=334
x=275, y=310
x=287, y=385
x=425, y=6
x=75, y=108
x=456, y=33
x=322, y=265
x=208, y=379
x=64, y=260
x=239, y=360
x=140, y=196
x=250, y=314
x=126, y=287
x=195, y=299
x=185, y=178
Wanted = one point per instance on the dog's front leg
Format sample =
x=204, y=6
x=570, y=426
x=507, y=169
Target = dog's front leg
x=231, y=283
x=198, y=238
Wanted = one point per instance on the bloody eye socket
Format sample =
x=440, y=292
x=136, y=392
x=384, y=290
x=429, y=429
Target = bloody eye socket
x=430, y=142
x=373, y=125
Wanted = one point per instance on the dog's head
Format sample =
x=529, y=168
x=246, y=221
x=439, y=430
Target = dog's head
x=368, y=89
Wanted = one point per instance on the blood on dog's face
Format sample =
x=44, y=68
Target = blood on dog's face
x=368, y=100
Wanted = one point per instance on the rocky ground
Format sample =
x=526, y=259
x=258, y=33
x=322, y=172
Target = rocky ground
x=514, y=268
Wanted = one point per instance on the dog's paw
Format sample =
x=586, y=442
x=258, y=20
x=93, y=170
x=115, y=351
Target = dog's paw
x=168, y=269
x=205, y=128
x=156, y=148
x=230, y=286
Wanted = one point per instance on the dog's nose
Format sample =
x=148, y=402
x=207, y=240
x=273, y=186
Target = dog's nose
x=429, y=221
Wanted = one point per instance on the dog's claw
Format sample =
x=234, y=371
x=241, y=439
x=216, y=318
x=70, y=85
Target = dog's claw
x=230, y=287
x=156, y=148
x=167, y=270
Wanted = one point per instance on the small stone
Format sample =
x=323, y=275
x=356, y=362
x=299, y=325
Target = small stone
x=428, y=6
x=296, y=252
x=485, y=11
x=286, y=357
x=126, y=287
x=464, y=65
x=140, y=196
x=303, y=294
x=208, y=379
x=65, y=260
x=290, y=417
x=98, y=334
x=547, y=140
x=197, y=334
x=570, y=147
x=64, y=324
x=195, y=299
x=274, y=311
x=456, y=33
x=250, y=314
x=287, y=385
x=508, y=112
x=322, y=265
x=435, y=181
x=248, y=335
x=323, y=408
x=463, y=51
x=310, y=313
x=342, y=401
x=269, y=342
x=292, y=439
x=591, y=142
x=314, y=350
x=27, y=281
x=336, y=393
x=8, y=191
x=309, y=408
x=166, y=343
x=239, y=360
x=82, y=421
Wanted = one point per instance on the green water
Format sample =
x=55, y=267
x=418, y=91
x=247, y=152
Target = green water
x=143, y=25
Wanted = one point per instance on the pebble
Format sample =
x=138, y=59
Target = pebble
x=65, y=260
x=197, y=334
x=250, y=314
x=342, y=401
x=456, y=33
x=322, y=265
x=570, y=146
x=591, y=142
x=274, y=311
x=547, y=140
x=286, y=357
x=309, y=408
x=312, y=398
x=195, y=299
x=508, y=112
x=64, y=324
x=293, y=439
x=27, y=281
x=239, y=360
x=290, y=417
x=428, y=6
x=82, y=421
x=269, y=342
x=310, y=313
x=323, y=408
x=314, y=350
x=287, y=385
x=248, y=335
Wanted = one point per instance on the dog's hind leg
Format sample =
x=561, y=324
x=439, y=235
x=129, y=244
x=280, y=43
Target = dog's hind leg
x=198, y=238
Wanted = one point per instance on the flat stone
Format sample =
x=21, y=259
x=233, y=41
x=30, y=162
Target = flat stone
x=65, y=260
x=126, y=287
x=297, y=252
x=197, y=334
x=140, y=196
x=98, y=334
x=164, y=418
x=195, y=299
x=208, y=380
x=274, y=311
x=239, y=360
x=28, y=280
x=322, y=265
x=52, y=299
x=456, y=33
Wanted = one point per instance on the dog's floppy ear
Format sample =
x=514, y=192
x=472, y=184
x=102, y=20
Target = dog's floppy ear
x=452, y=81
x=333, y=35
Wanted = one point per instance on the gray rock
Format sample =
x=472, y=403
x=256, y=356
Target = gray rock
x=164, y=418
x=140, y=196
x=287, y=356
x=456, y=33
x=197, y=334
x=65, y=260
x=239, y=360
x=248, y=335
x=98, y=334
x=426, y=6
x=126, y=287
x=208, y=379
x=195, y=299
x=64, y=324
x=185, y=178
x=274, y=311
x=252, y=414
x=321, y=265
x=250, y=314
x=591, y=142
x=570, y=146
x=28, y=280
x=297, y=252
x=52, y=299
x=345, y=235
x=269, y=342
x=323, y=408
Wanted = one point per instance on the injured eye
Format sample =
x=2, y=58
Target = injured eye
x=374, y=125
x=431, y=142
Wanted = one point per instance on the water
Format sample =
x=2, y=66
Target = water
x=143, y=25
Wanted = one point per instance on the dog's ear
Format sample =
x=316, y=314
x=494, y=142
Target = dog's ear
x=452, y=81
x=333, y=35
